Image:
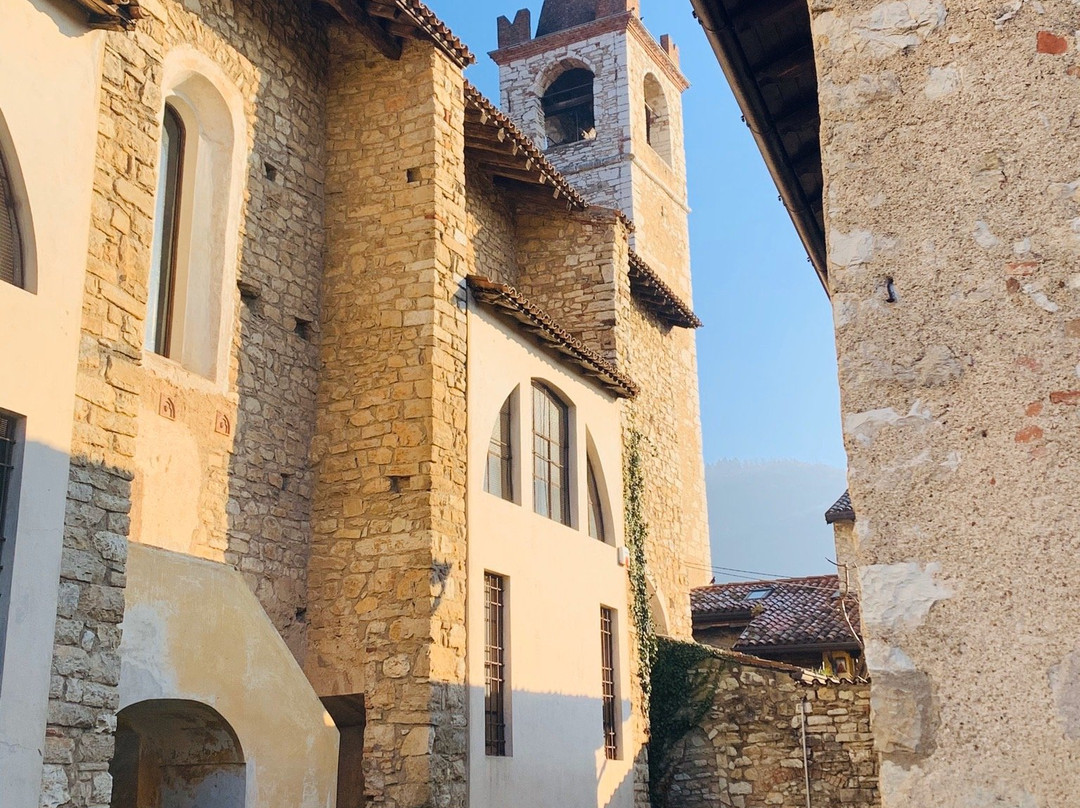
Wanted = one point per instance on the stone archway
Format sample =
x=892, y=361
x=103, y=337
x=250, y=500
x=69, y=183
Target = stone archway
x=174, y=753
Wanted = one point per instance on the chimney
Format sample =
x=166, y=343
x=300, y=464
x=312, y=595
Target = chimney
x=670, y=48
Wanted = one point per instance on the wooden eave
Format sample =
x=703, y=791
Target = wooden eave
x=765, y=49
x=495, y=143
x=508, y=303
x=120, y=15
x=387, y=23
x=658, y=297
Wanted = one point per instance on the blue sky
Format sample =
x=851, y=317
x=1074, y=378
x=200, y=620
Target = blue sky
x=766, y=356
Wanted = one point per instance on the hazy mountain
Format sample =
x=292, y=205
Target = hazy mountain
x=769, y=516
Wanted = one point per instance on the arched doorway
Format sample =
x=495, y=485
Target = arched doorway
x=173, y=753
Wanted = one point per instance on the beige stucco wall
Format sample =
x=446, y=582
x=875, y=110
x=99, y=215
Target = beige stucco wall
x=557, y=579
x=950, y=157
x=193, y=630
x=50, y=148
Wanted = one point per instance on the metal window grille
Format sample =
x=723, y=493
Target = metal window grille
x=11, y=257
x=650, y=124
x=607, y=675
x=7, y=471
x=499, y=478
x=596, y=510
x=551, y=456
x=495, y=665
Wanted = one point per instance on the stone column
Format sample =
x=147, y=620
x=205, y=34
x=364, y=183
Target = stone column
x=387, y=577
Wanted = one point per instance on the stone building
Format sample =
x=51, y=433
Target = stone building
x=293, y=301
x=927, y=153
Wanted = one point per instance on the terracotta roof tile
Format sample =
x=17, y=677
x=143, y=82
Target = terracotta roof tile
x=647, y=287
x=841, y=510
x=508, y=302
x=792, y=612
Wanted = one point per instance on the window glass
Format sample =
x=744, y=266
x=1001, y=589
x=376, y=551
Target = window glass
x=161, y=286
x=607, y=681
x=596, y=510
x=498, y=476
x=11, y=254
x=568, y=108
x=551, y=493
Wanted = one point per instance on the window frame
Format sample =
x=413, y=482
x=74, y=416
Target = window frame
x=167, y=232
x=496, y=714
x=501, y=453
x=609, y=682
x=547, y=463
x=595, y=504
x=12, y=439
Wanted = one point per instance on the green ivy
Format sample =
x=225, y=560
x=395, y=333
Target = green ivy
x=684, y=680
x=637, y=531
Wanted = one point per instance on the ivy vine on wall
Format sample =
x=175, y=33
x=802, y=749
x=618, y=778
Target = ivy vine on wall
x=684, y=681
x=637, y=530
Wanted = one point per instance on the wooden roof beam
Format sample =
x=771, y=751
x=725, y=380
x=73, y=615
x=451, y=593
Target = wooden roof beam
x=351, y=11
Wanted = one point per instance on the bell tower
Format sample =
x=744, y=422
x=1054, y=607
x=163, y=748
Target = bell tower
x=604, y=100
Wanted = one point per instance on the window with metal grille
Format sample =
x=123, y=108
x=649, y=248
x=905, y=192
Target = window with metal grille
x=498, y=477
x=551, y=455
x=596, y=509
x=495, y=664
x=607, y=675
x=568, y=108
x=8, y=426
x=161, y=289
x=11, y=251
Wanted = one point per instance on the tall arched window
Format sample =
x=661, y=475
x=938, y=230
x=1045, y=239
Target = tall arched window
x=162, y=285
x=11, y=249
x=499, y=474
x=657, y=118
x=551, y=455
x=568, y=108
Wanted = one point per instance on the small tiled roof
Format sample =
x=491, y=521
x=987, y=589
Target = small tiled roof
x=427, y=21
x=841, y=510
x=387, y=22
x=647, y=287
x=508, y=302
x=795, y=613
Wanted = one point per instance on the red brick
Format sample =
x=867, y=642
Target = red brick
x=1046, y=42
x=1034, y=408
x=1028, y=434
x=1023, y=269
x=1028, y=362
x=1071, y=397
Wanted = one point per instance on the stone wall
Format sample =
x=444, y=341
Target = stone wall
x=748, y=750
x=950, y=158
x=387, y=610
x=260, y=48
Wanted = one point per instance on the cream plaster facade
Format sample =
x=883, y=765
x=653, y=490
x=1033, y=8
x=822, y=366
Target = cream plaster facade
x=557, y=579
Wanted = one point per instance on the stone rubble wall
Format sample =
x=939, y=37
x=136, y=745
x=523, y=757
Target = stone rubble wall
x=748, y=751
x=259, y=47
x=387, y=596
x=950, y=155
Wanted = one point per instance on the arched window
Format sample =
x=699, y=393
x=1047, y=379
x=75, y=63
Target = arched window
x=11, y=249
x=657, y=118
x=568, y=108
x=499, y=475
x=162, y=284
x=551, y=455
x=197, y=215
x=596, y=507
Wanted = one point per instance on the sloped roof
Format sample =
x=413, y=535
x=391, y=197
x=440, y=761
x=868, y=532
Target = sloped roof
x=506, y=301
x=647, y=287
x=794, y=613
x=112, y=15
x=841, y=510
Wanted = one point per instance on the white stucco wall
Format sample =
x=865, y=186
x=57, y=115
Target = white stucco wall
x=557, y=579
x=49, y=76
x=193, y=630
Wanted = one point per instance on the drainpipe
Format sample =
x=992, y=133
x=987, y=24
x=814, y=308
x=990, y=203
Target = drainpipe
x=805, y=755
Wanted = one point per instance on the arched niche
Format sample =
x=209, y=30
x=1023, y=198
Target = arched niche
x=175, y=753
